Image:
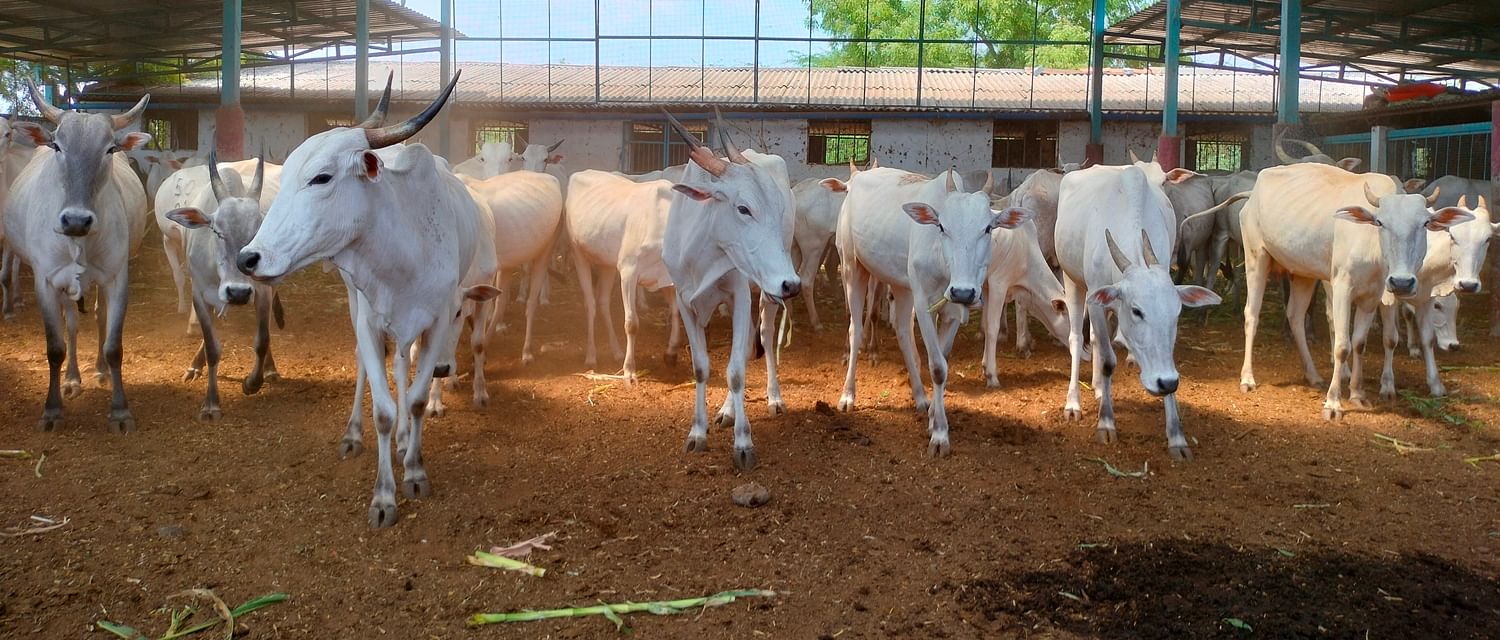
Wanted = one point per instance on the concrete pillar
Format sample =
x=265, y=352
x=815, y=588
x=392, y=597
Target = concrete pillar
x=1494, y=206
x=1169, y=152
x=1379, y=143
x=1291, y=61
x=361, y=59
x=1093, y=153
x=229, y=120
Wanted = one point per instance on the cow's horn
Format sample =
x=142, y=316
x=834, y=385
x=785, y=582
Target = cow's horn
x=260, y=176
x=989, y=183
x=1463, y=201
x=732, y=151
x=853, y=170
x=128, y=118
x=214, y=181
x=874, y=163
x=687, y=136
x=555, y=145
x=1432, y=199
x=382, y=137
x=377, y=117
x=1133, y=158
x=1286, y=158
x=1482, y=205
x=1146, y=250
x=1121, y=262
x=1370, y=196
x=951, y=186
x=1312, y=149
x=48, y=110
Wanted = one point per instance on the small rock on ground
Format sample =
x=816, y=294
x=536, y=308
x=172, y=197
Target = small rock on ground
x=750, y=494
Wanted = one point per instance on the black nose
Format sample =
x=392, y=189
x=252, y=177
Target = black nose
x=790, y=288
x=247, y=261
x=441, y=371
x=1166, y=386
x=237, y=295
x=1448, y=348
x=1401, y=284
x=1468, y=286
x=76, y=224
x=962, y=295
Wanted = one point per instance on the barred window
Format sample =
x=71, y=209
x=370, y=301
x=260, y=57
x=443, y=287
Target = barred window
x=1031, y=145
x=172, y=129
x=500, y=131
x=319, y=122
x=836, y=142
x=650, y=146
x=1224, y=151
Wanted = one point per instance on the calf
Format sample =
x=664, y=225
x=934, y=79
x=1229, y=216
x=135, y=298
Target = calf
x=527, y=208
x=69, y=216
x=1016, y=266
x=1109, y=219
x=222, y=220
x=1455, y=258
x=931, y=243
x=818, y=203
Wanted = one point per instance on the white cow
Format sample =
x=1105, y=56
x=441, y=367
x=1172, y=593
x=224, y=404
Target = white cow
x=69, y=216
x=617, y=226
x=494, y=159
x=1453, y=187
x=1455, y=258
x=1109, y=221
x=819, y=201
x=1017, y=266
x=396, y=230
x=1314, y=155
x=670, y=174
x=222, y=219
x=728, y=230
x=931, y=243
x=1442, y=318
x=527, y=208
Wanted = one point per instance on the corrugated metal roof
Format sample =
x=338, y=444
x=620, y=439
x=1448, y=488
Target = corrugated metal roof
x=572, y=86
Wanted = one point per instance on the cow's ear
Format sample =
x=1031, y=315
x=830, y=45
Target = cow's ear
x=481, y=293
x=696, y=193
x=38, y=135
x=1413, y=185
x=1104, y=296
x=555, y=158
x=834, y=184
x=1447, y=217
x=1195, y=296
x=1357, y=214
x=1349, y=164
x=1176, y=176
x=134, y=140
x=921, y=212
x=368, y=165
x=189, y=217
x=1010, y=218
x=1059, y=305
x=175, y=164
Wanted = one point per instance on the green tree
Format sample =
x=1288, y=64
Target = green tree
x=989, y=22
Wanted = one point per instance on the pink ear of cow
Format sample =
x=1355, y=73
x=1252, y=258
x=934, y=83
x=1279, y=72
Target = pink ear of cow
x=1349, y=164
x=370, y=166
x=1195, y=296
x=1447, y=217
x=1011, y=218
x=481, y=293
x=834, y=184
x=1357, y=214
x=189, y=217
x=692, y=192
x=134, y=140
x=922, y=212
x=1104, y=296
x=555, y=158
x=1176, y=176
x=38, y=135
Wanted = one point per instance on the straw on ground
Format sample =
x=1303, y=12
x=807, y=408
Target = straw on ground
x=612, y=611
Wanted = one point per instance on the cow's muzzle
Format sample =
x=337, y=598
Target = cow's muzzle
x=1403, y=286
x=75, y=223
x=1467, y=286
x=237, y=293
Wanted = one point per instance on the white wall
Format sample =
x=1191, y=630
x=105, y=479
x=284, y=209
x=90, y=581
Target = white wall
x=278, y=132
x=932, y=146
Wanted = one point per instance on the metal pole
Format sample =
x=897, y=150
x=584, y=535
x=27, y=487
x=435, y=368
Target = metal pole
x=921, y=46
x=361, y=59
x=1291, y=61
x=1096, y=81
x=597, y=74
x=1171, y=52
x=229, y=76
x=445, y=64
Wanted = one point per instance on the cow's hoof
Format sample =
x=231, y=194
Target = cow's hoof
x=921, y=405
x=1359, y=402
x=744, y=459
x=49, y=422
x=191, y=375
x=846, y=403
x=1414, y=353
x=1247, y=387
x=72, y=389
x=101, y=377
x=1106, y=436
x=1182, y=453
x=695, y=444
x=1319, y=383
x=121, y=421
x=992, y=382
x=273, y=376
x=776, y=407
x=527, y=358
x=436, y=410
x=669, y=358
x=937, y=448
x=350, y=448
x=210, y=414
x=383, y=513
x=723, y=419
x=1332, y=414
x=417, y=487
x=1072, y=414
x=481, y=400
x=252, y=385
x=591, y=362
x=1437, y=391
x=1025, y=352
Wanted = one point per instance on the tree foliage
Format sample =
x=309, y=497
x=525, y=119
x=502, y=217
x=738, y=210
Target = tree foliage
x=1003, y=32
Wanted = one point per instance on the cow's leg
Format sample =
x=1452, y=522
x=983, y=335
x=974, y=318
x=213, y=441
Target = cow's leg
x=1104, y=374
x=10, y=281
x=674, y=339
x=435, y=406
x=371, y=344
x=477, y=339
x=628, y=293
x=72, y=385
x=1410, y=318
x=414, y=480
x=605, y=297
x=692, y=325
x=210, y=412
x=1177, y=443
x=117, y=297
x=538, y=275
x=1257, y=266
x=1359, y=332
x=1426, y=337
x=178, y=264
x=1333, y=407
x=195, y=369
x=50, y=304
x=1301, y=294
x=993, y=318
x=590, y=306
x=1024, y=342
x=768, y=339
x=734, y=372
x=901, y=319
x=809, y=260
x=725, y=415
x=256, y=379
x=1390, y=336
x=101, y=318
x=353, y=442
x=938, y=444
x=855, y=286
x=1073, y=294
x=502, y=279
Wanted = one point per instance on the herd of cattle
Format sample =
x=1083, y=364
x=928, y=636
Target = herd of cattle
x=424, y=248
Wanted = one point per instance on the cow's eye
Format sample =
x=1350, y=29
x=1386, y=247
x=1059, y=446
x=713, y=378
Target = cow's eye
x=114, y=148
x=54, y=146
x=1136, y=311
x=744, y=210
x=321, y=178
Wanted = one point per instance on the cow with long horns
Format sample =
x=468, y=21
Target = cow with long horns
x=727, y=231
x=400, y=233
x=71, y=216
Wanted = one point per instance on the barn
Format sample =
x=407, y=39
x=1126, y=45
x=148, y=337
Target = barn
x=1210, y=182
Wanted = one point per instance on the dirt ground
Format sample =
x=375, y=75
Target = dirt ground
x=1283, y=527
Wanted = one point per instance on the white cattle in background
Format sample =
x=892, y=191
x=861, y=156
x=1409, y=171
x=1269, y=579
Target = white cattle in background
x=70, y=216
x=729, y=229
x=1194, y=242
x=1314, y=155
x=1016, y=266
x=1451, y=188
x=670, y=174
x=494, y=158
x=1373, y=258
x=527, y=208
x=222, y=218
x=931, y=243
x=1110, y=219
x=1454, y=262
x=819, y=201
x=395, y=229
x=617, y=226
x=1442, y=318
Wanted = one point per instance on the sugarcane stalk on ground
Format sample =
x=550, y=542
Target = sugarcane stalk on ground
x=660, y=608
x=179, y=617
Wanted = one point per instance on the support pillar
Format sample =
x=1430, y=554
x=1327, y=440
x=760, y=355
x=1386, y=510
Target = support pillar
x=1379, y=143
x=445, y=64
x=361, y=59
x=1291, y=62
x=1494, y=206
x=1094, y=152
x=1168, y=146
x=229, y=120
x=1169, y=152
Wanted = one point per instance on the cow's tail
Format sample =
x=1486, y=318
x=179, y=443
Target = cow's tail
x=1198, y=217
x=276, y=310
